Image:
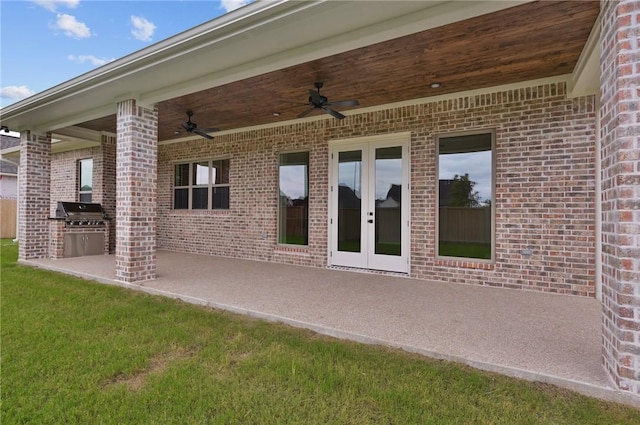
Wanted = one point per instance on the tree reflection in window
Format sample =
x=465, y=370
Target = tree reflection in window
x=293, y=206
x=465, y=175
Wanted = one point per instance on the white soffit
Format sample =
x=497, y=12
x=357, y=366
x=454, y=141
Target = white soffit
x=259, y=38
x=68, y=139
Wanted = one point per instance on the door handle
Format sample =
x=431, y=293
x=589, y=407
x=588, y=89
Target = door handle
x=370, y=220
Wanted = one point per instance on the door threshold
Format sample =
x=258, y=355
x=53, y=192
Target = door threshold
x=368, y=271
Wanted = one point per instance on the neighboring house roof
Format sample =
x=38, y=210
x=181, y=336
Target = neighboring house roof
x=264, y=57
x=347, y=198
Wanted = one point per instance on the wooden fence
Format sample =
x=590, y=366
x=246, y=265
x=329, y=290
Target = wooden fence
x=464, y=224
x=295, y=220
x=8, y=211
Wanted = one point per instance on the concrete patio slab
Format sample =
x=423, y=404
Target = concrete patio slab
x=535, y=336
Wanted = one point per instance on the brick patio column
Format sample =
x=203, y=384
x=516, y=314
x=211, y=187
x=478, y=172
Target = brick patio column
x=136, y=192
x=620, y=156
x=33, y=195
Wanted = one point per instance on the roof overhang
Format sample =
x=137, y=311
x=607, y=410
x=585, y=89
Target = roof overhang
x=261, y=37
x=63, y=140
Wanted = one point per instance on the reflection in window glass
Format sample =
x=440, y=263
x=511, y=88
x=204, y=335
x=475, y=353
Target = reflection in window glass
x=201, y=173
x=85, y=180
x=200, y=198
x=388, y=201
x=349, y=201
x=221, y=172
x=465, y=196
x=181, y=199
x=182, y=175
x=207, y=188
x=293, y=207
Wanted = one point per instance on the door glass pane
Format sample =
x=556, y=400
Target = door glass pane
x=349, y=200
x=388, y=190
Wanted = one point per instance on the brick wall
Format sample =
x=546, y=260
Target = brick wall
x=64, y=175
x=545, y=174
x=620, y=155
x=104, y=182
x=64, y=179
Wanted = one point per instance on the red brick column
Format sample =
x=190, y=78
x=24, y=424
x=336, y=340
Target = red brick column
x=56, y=242
x=620, y=156
x=33, y=197
x=136, y=192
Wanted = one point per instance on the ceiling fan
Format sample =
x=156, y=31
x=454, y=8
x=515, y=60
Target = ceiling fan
x=317, y=101
x=192, y=127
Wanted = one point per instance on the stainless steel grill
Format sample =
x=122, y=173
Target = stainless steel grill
x=81, y=213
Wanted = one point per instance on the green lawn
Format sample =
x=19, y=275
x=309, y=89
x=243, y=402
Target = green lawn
x=77, y=352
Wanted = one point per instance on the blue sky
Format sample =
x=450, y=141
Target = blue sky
x=47, y=42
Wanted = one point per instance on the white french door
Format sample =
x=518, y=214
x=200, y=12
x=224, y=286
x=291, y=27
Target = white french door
x=369, y=204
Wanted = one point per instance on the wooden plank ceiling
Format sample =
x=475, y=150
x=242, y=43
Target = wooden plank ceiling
x=527, y=42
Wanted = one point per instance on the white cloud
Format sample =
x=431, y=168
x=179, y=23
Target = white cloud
x=230, y=5
x=52, y=5
x=15, y=92
x=142, y=28
x=93, y=60
x=71, y=27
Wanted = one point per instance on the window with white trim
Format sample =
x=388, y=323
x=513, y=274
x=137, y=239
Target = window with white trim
x=201, y=185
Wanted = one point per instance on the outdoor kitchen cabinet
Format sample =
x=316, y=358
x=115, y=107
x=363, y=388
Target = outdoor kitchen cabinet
x=85, y=243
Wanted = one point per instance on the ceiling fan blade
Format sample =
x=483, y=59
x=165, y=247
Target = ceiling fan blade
x=333, y=112
x=305, y=113
x=186, y=126
x=343, y=103
x=199, y=132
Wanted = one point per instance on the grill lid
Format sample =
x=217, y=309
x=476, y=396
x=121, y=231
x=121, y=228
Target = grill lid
x=79, y=211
